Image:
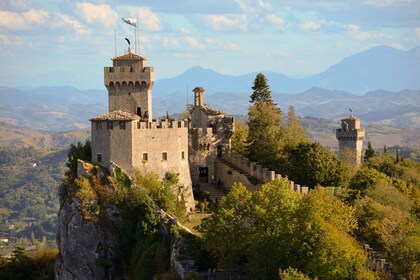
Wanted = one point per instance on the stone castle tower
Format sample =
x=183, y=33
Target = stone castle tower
x=128, y=136
x=129, y=82
x=350, y=139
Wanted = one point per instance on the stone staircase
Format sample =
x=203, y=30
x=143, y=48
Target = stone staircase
x=215, y=192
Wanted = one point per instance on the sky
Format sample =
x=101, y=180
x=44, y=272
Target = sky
x=51, y=42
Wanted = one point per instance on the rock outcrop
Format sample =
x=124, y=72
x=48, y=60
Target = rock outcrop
x=87, y=248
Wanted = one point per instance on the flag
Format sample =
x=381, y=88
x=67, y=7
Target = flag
x=130, y=21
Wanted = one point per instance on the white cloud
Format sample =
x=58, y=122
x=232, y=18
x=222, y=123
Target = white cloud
x=387, y=3
x=148, y=20
x=310, y=25
x=184, y=30
x=77, y=26
x=354, y=31
x=23, y=21
x=14, y=5
x=227, y=22
x=265, y=5
x=232, y=46
x=170, y=42
x=97, y=13
x=275, y=19
x=194, y=43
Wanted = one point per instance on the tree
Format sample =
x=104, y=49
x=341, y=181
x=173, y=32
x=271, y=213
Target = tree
x=311, y=164
x=321, y=242
x=264, y=136
x=81, y=151
x=369, y=152
x=294, y=132
x=261, y=89
x=239, y=139
x=226, y=233
x=363, y=179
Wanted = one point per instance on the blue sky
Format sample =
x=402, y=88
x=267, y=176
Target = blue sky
x=50, y=42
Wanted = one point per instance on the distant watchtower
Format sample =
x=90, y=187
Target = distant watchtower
x=129, y=83
x=350, y=138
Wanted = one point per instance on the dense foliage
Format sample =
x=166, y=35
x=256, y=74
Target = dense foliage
x=275, y=227
x=37, y=265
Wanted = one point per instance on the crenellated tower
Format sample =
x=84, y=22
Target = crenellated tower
x=129, y=82
x=350, y=139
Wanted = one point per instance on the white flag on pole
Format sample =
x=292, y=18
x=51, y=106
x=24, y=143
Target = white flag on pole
x=130, y=21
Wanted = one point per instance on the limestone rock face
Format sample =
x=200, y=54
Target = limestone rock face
x=86, y=251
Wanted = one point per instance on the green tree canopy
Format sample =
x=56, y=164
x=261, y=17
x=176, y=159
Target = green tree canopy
x=264, y=136
x=262, y=92
x=311, y=164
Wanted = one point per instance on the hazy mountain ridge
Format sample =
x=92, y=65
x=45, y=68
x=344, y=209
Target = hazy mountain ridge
x=376, y=68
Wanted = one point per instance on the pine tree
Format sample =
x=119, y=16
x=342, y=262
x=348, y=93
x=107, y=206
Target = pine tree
x=369, y=152
x=262, y=92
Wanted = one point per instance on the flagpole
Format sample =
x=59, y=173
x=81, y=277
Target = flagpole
x=115, y=41
x=138, y=35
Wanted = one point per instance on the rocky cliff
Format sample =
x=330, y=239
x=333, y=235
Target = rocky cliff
x=113, y=227
x=87, y=249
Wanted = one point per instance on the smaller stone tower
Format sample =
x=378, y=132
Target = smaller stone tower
x=350, y=139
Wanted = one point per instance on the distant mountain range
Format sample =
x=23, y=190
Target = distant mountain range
x=390, y=77
x=381, y=67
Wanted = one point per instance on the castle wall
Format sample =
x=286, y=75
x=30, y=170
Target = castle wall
x=156, y=138
x=100, y=142
x=114, y=144
x=198, y=118
x=228, y=176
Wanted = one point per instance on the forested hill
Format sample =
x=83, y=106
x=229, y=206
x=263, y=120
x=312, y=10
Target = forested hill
x=29, y=180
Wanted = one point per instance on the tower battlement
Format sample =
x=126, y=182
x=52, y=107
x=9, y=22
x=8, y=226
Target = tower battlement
x=164, y=124
x=131, y=76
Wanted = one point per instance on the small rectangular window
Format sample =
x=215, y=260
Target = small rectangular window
x=109, y=125
x=182, y=155
x=164, y=156
x=98, y=125
x=145, y=157
x=122, y=125
x=99, y=157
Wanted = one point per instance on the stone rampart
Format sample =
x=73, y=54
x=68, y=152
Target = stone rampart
x=154, y=124
x=234, y=167
x=377, y=263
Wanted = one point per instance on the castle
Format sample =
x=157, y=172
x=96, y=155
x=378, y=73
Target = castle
x=128, y=135
x=197, y=149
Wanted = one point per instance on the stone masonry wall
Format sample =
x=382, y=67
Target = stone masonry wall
x=233, y=167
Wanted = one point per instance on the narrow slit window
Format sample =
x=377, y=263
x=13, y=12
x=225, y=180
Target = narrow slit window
x=99, y=157
x=145, y=156
x=122, y=125
x=164, y=156
x=109, y=125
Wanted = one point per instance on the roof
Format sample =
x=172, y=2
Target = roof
x=129, y=56
x=210, y=111
x=351, y=117
x=116, y=116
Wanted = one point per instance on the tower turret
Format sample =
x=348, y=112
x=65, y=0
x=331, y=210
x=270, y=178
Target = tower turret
x=198, y=96
x=129, y=82
x=350, y=139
